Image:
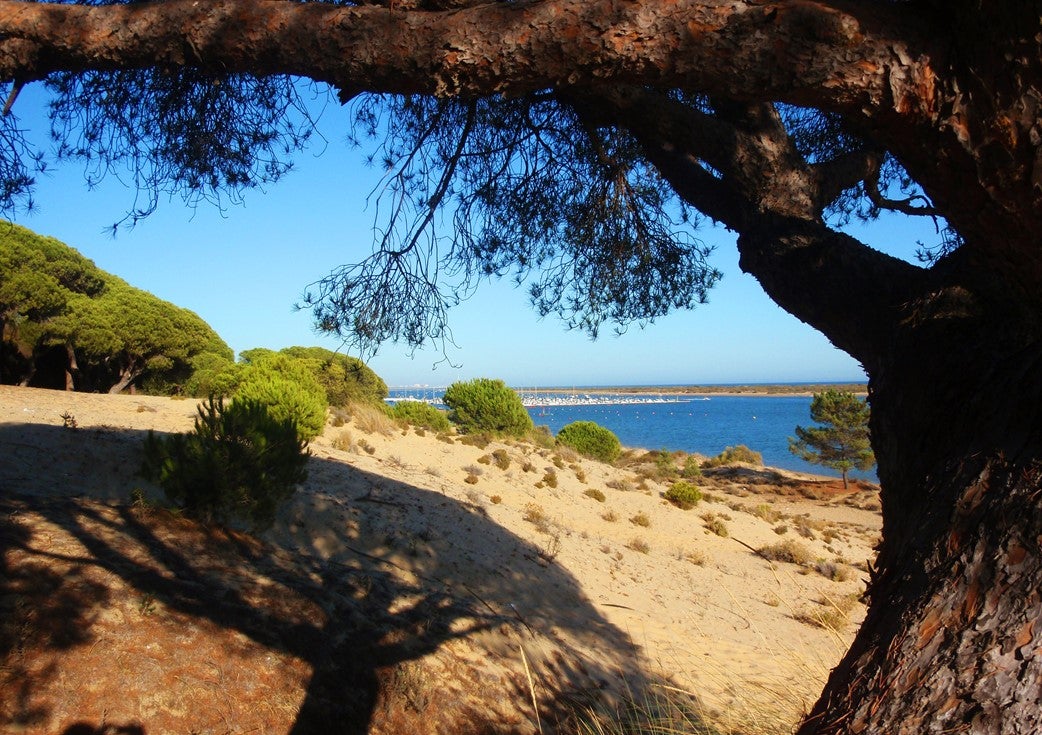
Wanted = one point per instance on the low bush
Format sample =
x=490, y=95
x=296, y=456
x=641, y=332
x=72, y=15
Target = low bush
x=665, y=465
x=683, y=494
x=734, y=455
x=692, y=469
x=789, y=551
x=501, y=459
x=715, y=525
x=591, y=439
x=641, y=519
x=487, y=405
x=240, y=462
x=595, y=494
x=420, y=414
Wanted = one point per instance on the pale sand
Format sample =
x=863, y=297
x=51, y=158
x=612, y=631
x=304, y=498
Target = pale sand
x=723, y=625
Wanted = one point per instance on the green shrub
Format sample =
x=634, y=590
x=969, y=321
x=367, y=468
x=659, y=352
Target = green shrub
x=212, y=375
x=591, y=439
x=239, y=462
x=420, y=414
x=345, y=379
x=489, y=405
x=692, y=469
x=289, y=390
x=683, y=494
x=734, y=455
x=665, y=466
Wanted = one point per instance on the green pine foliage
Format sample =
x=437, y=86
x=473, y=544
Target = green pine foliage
x=288, y=388
x=683, y=494
x=212, y=375
x=740, y=454
x=345, y=379
x=842, y=442
x=61, y=315
x=421, y=415
x=591, y=439
x=240, y=462
x=487, y=405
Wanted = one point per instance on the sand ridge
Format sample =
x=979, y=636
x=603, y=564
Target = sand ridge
x=596, y=592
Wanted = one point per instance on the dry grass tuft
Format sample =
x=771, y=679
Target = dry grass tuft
x=371, y=419
x=639, y=545
x=789, y=551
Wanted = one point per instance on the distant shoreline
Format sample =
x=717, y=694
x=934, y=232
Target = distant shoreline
x=773, y=389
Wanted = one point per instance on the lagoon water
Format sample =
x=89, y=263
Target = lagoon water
x=699, y=425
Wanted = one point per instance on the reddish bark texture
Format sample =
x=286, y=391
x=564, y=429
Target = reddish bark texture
x=954, y=91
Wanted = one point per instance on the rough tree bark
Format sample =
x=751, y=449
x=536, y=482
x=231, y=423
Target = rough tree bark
x=953, y=352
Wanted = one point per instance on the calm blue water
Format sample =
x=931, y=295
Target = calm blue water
x=762, y=423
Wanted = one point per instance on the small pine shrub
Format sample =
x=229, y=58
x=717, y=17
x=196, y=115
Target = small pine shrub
x=485, y=459
x=421, y=415
x=240, y=462
x=692, y=469
x=665, y=467
x=487, y=405
x=734, y=455
x=595, y=494
x=592, y=440
x=683, y=494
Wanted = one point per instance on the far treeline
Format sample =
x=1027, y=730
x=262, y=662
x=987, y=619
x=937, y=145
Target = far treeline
x=67, y=324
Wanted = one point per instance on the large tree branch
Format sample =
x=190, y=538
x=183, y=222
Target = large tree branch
x=804, y=52
x=767, y=192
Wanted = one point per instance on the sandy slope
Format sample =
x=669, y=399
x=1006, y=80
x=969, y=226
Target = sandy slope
x=549, y=570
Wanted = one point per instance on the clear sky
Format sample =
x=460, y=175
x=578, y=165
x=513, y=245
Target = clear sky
x=243, y=269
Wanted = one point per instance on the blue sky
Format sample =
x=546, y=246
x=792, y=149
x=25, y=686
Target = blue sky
x=243, y=269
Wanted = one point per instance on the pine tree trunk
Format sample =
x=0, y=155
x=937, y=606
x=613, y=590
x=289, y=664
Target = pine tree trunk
x=71, y=368
x=952, y=641
x=127, y=374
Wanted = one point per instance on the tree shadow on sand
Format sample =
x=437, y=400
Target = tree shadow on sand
x=388, y=622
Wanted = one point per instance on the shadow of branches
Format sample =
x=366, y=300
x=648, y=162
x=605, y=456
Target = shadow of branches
x=365, y=617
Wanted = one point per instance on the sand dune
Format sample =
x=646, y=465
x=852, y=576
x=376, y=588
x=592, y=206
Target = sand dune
x=484, y=573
